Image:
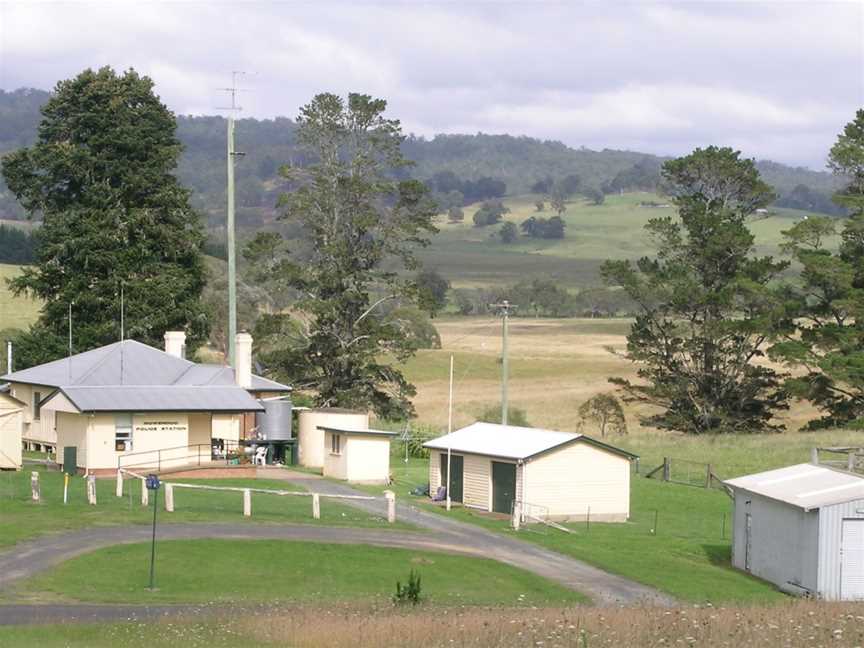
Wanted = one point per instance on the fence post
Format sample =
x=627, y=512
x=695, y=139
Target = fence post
x=588, y=521
x=517, y=515
x=91, y=489
x=708, y=475
x=316, y=506
x=35, y=491
x=119, y=483
x=391, y=506
x=247, y=502
x=667, y=469
x=145, y=497
x=850, y=461
x=169, y=498
x=814, y=456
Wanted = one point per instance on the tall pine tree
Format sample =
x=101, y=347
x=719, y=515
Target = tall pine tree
x=100, y=175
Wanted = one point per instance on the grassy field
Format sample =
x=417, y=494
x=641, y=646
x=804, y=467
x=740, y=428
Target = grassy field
x=21, y=518
x=266, y=571
x=15, y=312
x=472, y=256
x=794, y=624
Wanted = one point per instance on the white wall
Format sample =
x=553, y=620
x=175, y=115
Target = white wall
x=335, y=464
x=566, y=481
x=11, y=423
x=72, y=431
x=477, y=481
x=310, y=439
x=40, y=430
x=368, y=458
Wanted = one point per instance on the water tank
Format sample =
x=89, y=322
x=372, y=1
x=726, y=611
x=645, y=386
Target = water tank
x=311, y=439
x=274, y=423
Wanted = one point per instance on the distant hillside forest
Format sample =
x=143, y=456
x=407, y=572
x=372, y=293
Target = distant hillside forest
x=460, y=169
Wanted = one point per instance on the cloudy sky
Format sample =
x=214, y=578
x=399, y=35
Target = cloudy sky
x=776, y=79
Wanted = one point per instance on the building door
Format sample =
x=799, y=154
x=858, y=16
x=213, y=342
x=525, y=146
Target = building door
x=748, y=532
x=852, y=560
x=456, y=464
x=503, y=487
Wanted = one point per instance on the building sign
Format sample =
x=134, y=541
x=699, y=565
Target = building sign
x=161, y=425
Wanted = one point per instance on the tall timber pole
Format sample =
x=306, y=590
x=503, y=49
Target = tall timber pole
x=232, y=252
x=505, y=307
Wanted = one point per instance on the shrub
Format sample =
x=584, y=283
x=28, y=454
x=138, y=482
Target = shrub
x=409, y=593
x=418, y=435
x=515, y=416
x=605, y=411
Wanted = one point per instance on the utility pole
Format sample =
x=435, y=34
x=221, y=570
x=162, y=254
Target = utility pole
x=229, y=227
x=505, y=307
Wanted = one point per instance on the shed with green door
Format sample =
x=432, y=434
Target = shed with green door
x=551, y=475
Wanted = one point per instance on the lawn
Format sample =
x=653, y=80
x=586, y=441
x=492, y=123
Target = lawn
x=21, y=518
x=268, y=571
x=15, y=312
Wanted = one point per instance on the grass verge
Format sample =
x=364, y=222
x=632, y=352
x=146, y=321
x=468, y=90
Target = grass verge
x=269, y=571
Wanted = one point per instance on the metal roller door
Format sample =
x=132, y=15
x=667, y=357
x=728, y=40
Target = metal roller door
x=852, y=560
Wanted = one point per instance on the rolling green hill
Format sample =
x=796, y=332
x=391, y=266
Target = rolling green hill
x=471, y=256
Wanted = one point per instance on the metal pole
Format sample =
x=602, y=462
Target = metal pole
x=449, y=429
x=153, y=540
x=9, y=356
x=232, y=261
x=505, y=374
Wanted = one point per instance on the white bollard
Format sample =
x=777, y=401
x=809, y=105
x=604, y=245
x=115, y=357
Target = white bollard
x=169, y=498
x=35, y=491
x=145, y=494
x=247, y=502
x=391, y=506
x=316, y=506
x=119, y=484
x=517, y=515
x=91, y=489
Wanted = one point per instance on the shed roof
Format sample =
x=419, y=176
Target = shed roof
x=340, y=430
x=806, y=486
x=159, y=398
x=510, y=441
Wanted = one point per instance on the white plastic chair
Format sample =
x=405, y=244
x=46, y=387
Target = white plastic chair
x=260, y=457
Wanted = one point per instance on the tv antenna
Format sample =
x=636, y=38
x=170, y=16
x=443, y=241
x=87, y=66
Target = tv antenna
x=233, y=91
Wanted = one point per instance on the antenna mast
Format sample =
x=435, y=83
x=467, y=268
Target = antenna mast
x=232, y=252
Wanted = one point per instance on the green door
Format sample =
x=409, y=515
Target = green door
x=503, y=487
x=455, y=475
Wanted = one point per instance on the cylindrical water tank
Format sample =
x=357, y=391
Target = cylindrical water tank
x=311, y=439
x=274, y=423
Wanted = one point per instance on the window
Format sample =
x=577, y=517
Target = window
x=37, y=405
x=336, y=444
x=122, y=432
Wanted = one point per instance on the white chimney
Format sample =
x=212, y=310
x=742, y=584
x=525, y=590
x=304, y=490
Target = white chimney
x=175, y=343
x=243, y=360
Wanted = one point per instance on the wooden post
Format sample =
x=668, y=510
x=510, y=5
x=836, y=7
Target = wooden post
x=169, y=498
x=316, y=506
x=145, y=494
x=119, y=483
x=91, y=489
x=814, y=456
x=35, y=491
x=850, y=461
x=667, y=468
x=247, y=502
x=708, y=475
x=391, y=506
x=517, y=515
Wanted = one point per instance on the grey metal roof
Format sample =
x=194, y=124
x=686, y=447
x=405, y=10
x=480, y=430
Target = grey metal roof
x=161, y=398
x=806, y=486
x=132, y=363
x=510, y=441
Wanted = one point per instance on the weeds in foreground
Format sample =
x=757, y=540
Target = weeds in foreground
x=410, y=593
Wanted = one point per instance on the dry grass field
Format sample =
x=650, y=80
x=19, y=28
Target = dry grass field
x=795, y=624
x=15, y=312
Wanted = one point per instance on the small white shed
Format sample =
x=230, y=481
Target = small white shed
x=312, y=450
x=11, y=426
x=802, y=528
x=357, y=454
x=553, y=475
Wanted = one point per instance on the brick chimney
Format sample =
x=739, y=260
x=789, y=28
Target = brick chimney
x=243, y=360
x=175, y=343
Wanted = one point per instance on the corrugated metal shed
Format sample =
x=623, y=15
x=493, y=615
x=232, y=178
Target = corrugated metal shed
x=161, y=399
x=804, y=485
x=509, y=441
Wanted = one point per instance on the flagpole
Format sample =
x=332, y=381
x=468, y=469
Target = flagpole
x=449, y=428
